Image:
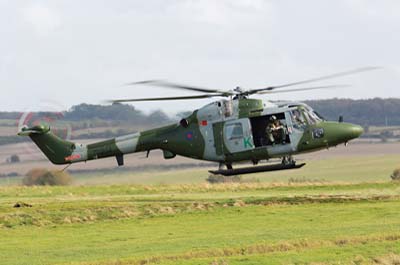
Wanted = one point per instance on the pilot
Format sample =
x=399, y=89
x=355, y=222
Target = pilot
x=297, y=118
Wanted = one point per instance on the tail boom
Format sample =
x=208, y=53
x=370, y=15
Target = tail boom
x=61, y=152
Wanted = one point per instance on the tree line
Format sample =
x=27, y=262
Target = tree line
x=368, y=112
x=97, y=115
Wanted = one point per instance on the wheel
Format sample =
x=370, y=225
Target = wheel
x=288, y=160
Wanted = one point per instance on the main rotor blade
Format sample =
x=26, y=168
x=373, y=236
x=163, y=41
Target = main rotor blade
x=166, y=98
x=326, y=77
x=162, y=83
x=302, y=89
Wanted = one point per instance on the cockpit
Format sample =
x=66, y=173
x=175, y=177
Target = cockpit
x=278, y=128
x=303, y=114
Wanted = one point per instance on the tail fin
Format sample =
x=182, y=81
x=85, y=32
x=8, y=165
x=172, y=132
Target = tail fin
x=56, y=149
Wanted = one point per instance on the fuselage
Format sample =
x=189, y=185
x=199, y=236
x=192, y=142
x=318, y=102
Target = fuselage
x=224, y=131
x=233, y=131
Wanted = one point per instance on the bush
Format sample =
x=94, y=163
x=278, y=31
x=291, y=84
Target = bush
x=43, y=177
x=304, y=180
x=213, y=179
x=396, y=175
x=13, y=159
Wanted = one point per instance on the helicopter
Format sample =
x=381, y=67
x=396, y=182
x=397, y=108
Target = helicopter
x=232, y=130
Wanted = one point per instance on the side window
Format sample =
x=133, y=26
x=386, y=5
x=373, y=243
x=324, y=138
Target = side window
x=234, y=131
x=228, y=108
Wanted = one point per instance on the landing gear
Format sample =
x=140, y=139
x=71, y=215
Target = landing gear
x=222, y=165
x=255, y=162
x=288, y=160
x=287, y=163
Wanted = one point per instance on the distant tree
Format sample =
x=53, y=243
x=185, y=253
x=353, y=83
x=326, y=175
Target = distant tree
x=183, y=114
x=367, y=112
x=13, y=159
x=88, y=111
x=114, y=113
x=396, y=175
x=159, y=117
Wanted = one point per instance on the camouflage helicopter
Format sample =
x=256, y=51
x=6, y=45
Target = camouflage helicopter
x=234, y=129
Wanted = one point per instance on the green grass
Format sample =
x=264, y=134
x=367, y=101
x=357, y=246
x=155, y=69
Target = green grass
x=345, y=169
x=348, y=170
x=200, y=224
x=186, y=176
x=336, y=211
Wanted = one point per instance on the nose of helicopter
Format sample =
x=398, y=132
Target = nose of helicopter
x=345, y=132
x=355, y=131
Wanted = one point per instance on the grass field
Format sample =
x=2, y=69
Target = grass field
x=341, y=208
x=257, y=223
x=340, y=169
x=337, y=169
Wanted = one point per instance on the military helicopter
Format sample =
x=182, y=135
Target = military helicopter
x=231, y=130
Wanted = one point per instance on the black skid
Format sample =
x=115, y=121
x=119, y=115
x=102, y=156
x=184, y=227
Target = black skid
x=258, y=169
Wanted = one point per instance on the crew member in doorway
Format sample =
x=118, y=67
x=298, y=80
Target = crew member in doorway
x=275, y=131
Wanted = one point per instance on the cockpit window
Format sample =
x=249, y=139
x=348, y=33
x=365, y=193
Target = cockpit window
x=298, y=119
x=319, y=116
x=312, y=116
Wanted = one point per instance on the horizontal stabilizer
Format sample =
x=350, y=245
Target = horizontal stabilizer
x=38, y=129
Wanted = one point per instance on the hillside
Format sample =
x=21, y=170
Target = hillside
x=369, y=112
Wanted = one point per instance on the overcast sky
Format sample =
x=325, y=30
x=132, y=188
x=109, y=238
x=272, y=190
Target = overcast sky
x=55, y=54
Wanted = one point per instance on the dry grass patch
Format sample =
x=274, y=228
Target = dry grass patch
x=391, y=259
x=220, y=255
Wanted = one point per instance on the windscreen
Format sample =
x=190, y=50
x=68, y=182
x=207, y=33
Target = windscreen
x=303, y=115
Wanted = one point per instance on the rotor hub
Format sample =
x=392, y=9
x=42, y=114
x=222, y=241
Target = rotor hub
x=239, y=90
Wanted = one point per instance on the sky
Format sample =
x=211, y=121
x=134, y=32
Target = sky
x=58, y=53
